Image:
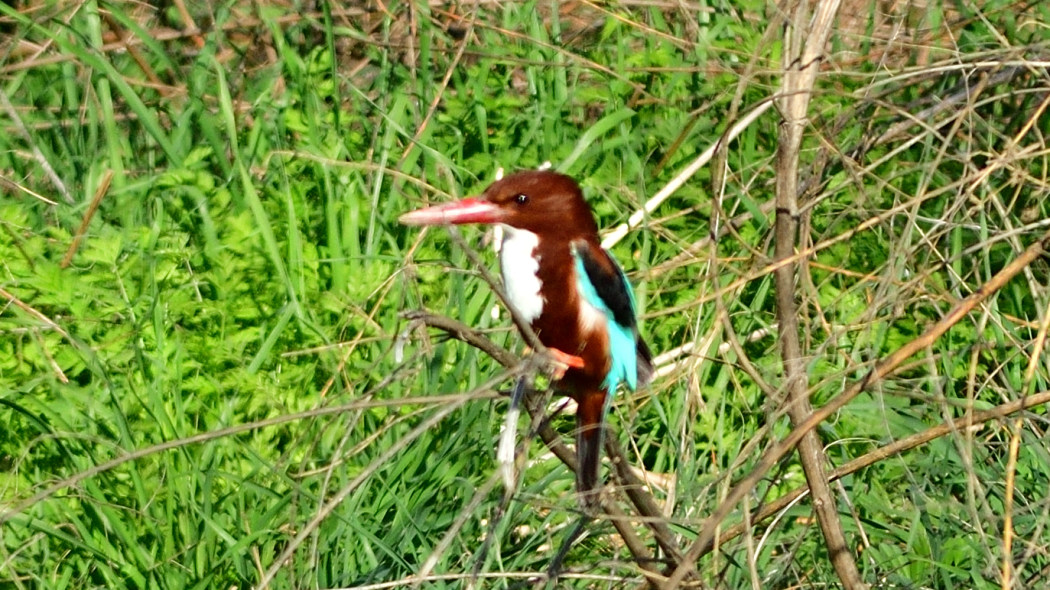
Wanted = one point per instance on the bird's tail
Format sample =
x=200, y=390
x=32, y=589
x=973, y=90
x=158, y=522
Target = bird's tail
x=590, y=416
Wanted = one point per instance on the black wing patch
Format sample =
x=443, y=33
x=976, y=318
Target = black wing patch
x=610, y=285
x=612, y=288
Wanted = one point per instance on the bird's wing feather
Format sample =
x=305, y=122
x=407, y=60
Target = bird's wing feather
x=603, y=284
x=608, y=282
x=645, y=362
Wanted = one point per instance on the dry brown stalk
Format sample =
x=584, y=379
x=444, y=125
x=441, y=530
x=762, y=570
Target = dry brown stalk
x=801, y=64
x=103, y=188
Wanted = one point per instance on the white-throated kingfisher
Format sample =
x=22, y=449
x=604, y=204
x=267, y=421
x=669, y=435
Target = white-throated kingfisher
x=568, y=288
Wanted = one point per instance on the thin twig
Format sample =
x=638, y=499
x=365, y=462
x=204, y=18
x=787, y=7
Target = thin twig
x=35, y=313
x=465, y=333
x=1008, y=505
x=103, y=188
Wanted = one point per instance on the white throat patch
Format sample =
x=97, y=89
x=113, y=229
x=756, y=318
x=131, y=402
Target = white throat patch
x=519, y=266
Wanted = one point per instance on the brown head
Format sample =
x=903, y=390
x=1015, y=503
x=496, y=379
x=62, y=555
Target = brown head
x=546, y=203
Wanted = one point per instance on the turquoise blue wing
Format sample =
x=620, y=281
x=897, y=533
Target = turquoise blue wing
x=603, y=284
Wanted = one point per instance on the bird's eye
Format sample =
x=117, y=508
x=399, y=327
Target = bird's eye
x=521, y=199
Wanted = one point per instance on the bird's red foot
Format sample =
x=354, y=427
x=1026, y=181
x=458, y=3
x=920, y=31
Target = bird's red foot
x=564, y=361
x=570, y=360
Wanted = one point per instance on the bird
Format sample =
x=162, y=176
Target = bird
x=569, y=289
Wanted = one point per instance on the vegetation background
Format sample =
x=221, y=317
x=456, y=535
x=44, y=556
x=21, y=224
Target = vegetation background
x=208, y=380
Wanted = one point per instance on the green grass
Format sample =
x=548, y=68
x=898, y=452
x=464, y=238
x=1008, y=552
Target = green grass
x=223, y=375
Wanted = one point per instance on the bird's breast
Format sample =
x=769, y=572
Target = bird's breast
x=520, y=266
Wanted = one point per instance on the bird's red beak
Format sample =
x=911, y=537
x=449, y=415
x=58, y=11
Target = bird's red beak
x=459, y=212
